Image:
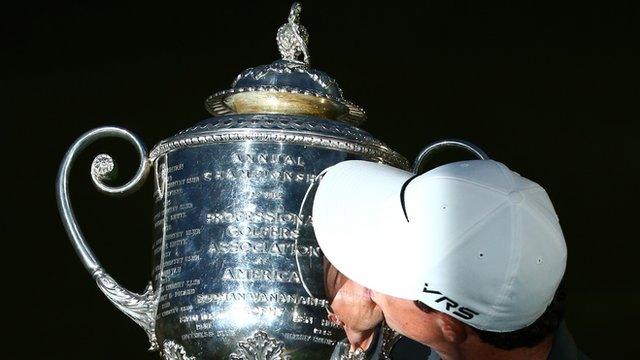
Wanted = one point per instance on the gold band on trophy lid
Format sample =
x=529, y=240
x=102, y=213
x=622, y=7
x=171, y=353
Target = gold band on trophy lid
x=284, y=103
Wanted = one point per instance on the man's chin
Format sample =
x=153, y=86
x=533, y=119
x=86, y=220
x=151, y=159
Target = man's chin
x=360, y=339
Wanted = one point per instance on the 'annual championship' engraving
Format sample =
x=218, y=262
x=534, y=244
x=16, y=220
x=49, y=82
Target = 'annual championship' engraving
x=246, y=239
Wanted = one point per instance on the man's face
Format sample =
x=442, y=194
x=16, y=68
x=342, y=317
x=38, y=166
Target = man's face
x=353, y=307
x=406, y=318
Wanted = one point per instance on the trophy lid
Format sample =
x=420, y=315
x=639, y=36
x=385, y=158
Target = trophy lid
x=287, y=86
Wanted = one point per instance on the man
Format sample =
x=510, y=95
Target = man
x=351, y=307
x=465, y=258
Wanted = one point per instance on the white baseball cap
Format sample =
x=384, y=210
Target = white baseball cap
x=472, y=239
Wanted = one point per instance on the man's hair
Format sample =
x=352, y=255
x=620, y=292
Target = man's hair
x=529, y=336
x=333, y=280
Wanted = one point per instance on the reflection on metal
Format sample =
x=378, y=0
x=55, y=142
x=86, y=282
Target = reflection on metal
x=286, y=86
x=430, y=149
x=357, y=354
x=292, y=37
x=282, y=129
x=260, y=347
x=173, y=351
x=237, y=271
x=103, y=168
x=140, y=308
x=389, y=339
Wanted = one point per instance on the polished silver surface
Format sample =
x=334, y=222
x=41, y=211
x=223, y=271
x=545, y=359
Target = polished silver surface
x=173, y=351
x=312, y=90
x=228, y=234
x=389, y=339
x=430, y=149
x=292, y=37
x=298, y=130
x=358, y=354
x=237, y=272
x=141, y=308
x=260, y=346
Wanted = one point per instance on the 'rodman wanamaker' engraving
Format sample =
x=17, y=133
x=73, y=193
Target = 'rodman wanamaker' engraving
x=237, y=272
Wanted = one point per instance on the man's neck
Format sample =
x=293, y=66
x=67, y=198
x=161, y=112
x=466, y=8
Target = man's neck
x=474, y=348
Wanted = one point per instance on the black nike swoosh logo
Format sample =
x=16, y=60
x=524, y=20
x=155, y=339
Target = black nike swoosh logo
x=404, y=187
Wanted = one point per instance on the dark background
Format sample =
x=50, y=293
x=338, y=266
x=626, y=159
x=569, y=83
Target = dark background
x=552, y=92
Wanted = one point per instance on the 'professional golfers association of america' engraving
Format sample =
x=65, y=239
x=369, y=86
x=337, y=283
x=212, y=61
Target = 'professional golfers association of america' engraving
x=237, y=271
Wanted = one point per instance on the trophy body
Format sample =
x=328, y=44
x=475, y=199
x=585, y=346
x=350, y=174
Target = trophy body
x=237, y=273
x=235, y=260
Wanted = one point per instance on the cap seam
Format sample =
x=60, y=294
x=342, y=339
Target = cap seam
x=508, y=175
x=514, y=262
x=472, y=227
x=540, y=211
x=534, y=210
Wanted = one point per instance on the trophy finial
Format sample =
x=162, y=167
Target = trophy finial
x=287, y=86
x=292, y=37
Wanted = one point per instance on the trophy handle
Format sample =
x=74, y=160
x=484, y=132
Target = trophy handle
x=429, y=149
x=141, y=308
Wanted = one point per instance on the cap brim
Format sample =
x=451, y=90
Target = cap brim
x=362, y=229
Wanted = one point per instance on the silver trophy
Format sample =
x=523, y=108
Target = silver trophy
x=237, y=271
